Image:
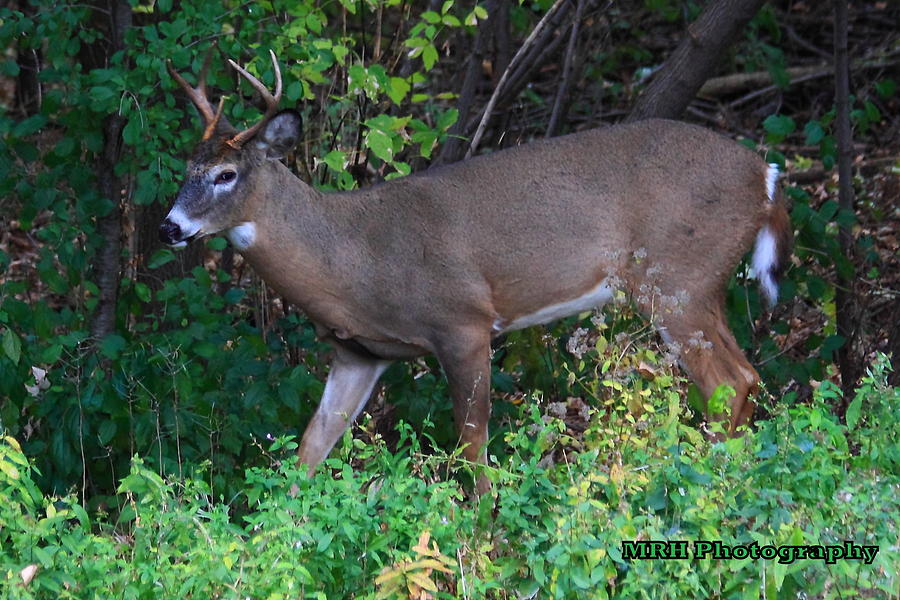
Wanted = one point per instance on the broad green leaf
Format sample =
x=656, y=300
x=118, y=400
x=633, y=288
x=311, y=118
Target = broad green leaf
x=853, y=412
x=142, y=291
x=160, y=257
x=112, y=345
x=336, y=160
x=107, y=431
x=216, y=243
x=814, y=132
x=29, y=126
x=131, y=134
x=380, y=144
x=398, y=89
x=447, y=118
x=12, y=346
x=778, y=127
x=429, y=56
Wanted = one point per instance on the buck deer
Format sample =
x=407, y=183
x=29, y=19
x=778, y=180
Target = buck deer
x=444, y=261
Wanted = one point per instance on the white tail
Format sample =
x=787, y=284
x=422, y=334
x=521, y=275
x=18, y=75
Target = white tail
x=441, y=262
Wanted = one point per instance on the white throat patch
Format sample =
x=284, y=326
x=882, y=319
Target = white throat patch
x=242, y=236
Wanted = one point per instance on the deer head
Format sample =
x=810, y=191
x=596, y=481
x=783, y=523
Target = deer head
x=227, y=165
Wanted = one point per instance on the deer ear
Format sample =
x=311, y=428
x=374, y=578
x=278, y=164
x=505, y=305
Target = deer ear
x=280, y=134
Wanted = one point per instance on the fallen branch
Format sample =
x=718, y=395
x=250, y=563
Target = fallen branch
x=738, y=82
x=815, y=174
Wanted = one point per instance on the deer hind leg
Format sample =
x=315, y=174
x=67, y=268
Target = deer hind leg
x=711, y=356
x=466, y=360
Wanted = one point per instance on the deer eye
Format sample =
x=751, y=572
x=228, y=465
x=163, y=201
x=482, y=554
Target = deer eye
x=225, y=177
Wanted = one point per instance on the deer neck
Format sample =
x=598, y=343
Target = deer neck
x=294, y=242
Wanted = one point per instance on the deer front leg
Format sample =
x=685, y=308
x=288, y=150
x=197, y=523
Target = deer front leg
x=347, y=390
x=466, y=360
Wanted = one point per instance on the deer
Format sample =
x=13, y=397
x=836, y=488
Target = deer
x=444, y=261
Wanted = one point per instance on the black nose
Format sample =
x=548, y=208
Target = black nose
x=169, y=232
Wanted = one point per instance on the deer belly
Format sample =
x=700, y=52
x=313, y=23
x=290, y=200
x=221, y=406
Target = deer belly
x=593, y=298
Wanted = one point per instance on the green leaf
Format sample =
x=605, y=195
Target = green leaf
x=814, y=132
x=294, y=91
x=12, y=345
x=778, y=127
x=233, y=295
x=131, y=134
x=101, y=94
x=51, y=354
x=336, y=160
x=216, y=243
x=106, y=431
x=426, y=140
x=886, y=88
x=830, y=345
x=142, y=291
x=29, y=126
x=720, y=397
x=381, y=144
x=64, y=146
x=446, y=119
x=160, y=257
x=9, y=68
x=429, y=56
x=853, y=412
x=112, y=345
x=324, y=542
x=398, y=89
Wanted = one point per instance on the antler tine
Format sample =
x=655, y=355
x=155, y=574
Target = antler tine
x=271, y=101
x=197, y=94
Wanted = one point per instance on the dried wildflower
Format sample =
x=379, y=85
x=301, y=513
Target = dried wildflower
x=557, y=409
x=698, y=340
x=577, y=343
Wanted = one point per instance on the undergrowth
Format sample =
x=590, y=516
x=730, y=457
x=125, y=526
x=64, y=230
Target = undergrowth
x=398, y=524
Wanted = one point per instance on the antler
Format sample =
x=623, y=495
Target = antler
x=198, y=96
x=271, y=101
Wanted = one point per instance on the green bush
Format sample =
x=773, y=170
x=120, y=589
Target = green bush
x=553, y=526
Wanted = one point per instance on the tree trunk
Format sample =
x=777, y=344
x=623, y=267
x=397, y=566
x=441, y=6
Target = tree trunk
x=28, y=86
x=146, y=241
x=680, y=77
x=108, y=263
x=844, y=296
x=455, y=147
x=107, y=266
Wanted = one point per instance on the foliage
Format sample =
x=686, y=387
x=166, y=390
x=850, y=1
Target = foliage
x=393, y=527
x=120, y=454
x=164, y=384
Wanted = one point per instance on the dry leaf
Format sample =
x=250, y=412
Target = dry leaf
x=28, y=573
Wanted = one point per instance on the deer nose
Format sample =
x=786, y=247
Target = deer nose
x=169, y=232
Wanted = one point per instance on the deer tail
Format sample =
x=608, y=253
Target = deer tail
x=774, y=240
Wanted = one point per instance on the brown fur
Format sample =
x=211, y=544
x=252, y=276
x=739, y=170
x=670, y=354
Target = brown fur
x=430, y=262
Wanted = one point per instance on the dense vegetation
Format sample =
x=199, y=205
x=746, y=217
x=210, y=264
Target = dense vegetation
x=150, y=400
